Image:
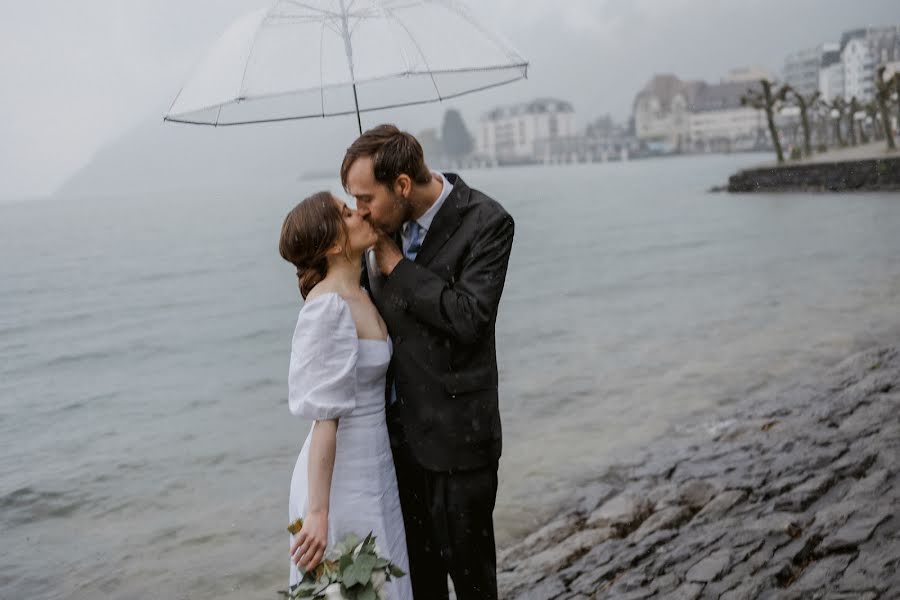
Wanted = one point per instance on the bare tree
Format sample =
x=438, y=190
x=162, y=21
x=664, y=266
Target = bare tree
x=769, y=102
x=804, y=103
x=852, y=107
x=838, y=105
x=883, y=94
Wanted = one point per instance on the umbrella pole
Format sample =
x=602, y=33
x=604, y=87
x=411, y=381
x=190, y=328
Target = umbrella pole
x=356, y=102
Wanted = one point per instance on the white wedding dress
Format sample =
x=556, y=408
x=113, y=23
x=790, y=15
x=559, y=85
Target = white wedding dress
x=336, y=375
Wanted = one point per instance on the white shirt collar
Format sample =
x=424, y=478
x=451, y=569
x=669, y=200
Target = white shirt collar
x=426, y=219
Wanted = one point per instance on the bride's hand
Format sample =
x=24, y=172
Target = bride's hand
x=309, y=547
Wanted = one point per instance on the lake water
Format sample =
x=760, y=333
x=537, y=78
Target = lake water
x=144, y=340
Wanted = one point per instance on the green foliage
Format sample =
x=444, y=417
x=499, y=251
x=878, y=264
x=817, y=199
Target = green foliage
x=352, y=565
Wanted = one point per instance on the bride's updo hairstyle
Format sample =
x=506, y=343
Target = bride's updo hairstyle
x=311, y=228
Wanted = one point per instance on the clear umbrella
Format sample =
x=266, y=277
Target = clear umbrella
x=321, y=58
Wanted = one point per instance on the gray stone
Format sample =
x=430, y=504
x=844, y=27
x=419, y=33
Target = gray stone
x=563, y=554
x=624, y=512
x=710, y=568
x=687, y=591
x=594, y=495
x=853, y=533
x=667, y=518
x=720, y=505
x=540, y=540
x=804, y=495
x=821, y=574
x=548, y=588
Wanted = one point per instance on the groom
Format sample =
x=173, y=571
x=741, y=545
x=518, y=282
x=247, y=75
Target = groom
x=436, y=275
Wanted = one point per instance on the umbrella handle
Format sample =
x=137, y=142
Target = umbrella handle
x=356, y=102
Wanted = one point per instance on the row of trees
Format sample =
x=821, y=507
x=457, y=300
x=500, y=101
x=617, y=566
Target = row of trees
x=845, y=117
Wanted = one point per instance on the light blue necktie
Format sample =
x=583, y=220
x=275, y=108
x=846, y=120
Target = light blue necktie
x=415, y=244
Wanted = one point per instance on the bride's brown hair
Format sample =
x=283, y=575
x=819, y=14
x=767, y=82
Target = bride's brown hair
x=309, y=231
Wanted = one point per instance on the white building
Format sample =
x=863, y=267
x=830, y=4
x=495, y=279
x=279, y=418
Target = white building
x=718, y=121
x=862, y=50
x=801, y=69
x=661, y=113
x=831, y=76
x=510, y=134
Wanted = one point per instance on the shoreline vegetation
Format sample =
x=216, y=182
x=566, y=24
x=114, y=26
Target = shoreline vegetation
x=796, y=495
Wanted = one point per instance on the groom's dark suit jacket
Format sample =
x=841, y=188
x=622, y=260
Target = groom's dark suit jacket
x=441, y=311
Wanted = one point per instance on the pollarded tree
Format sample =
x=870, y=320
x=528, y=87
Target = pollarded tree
x=838, y=106
x=770, y=101
x=804, y=103
x=883, y=94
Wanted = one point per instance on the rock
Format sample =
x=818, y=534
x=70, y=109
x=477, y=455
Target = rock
x=623, y=512
x=804, y=495
x=853, y=533
x=720, y=505
x=548, y=588
x=710, y=568
x=594, y=495
x=563, y=554
x=821, y=574
x=688, y=591
x=540, y=540
x=667, y=518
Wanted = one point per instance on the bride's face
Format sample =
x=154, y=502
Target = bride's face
x=360, y=234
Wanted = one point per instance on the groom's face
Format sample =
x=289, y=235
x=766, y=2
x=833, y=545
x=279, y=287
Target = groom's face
x=377, y=203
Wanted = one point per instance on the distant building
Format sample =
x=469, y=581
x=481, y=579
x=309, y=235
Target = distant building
x=661, y=113
x=801, y=69
x=745, y=74
x=510, y=134
x=831, y=76
x=862, y=50
x=718, y=122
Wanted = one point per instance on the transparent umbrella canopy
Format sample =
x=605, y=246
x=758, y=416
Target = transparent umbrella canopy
x=323, y=58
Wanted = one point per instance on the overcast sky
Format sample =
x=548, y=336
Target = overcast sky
x=77, y=74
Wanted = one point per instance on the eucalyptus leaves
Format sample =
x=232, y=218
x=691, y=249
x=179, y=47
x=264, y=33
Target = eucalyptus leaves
x=353, y=570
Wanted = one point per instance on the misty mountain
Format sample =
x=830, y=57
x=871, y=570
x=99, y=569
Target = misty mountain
x=159, y=156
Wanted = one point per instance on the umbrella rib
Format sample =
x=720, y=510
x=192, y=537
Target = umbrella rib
x=342, y=113
x=249, y=56
x=252, y=97
x=463, y=12
x=314, y=9
x=322, y=66
x=390, y=14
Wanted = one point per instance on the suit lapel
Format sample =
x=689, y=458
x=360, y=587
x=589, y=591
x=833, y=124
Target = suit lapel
x=445, y=222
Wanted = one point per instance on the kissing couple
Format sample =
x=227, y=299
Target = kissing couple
x=394, y=360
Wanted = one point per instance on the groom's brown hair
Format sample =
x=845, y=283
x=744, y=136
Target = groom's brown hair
x=393, y=153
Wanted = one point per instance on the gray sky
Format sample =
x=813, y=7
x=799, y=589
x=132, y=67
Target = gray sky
x=77, y=75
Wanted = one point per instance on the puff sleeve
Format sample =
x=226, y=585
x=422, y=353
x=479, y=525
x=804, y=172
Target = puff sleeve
x=324, y=351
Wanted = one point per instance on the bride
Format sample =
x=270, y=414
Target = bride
x=344, y=480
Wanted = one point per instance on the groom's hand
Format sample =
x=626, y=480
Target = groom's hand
x=387, y=253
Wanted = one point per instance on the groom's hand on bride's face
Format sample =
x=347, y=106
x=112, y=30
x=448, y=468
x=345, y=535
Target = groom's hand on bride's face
x=387, y=253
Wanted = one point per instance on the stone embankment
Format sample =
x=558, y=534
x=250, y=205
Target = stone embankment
x=874, y=174
x=795, y=496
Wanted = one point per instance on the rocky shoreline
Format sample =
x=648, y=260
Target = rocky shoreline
x=795, y=496
x=880, y=174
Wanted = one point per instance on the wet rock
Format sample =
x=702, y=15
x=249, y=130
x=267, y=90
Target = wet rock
x=667, y=518
x=548, y=588
x=853, y=533
x=804, y=495
x=623, y=512
x=719, y=506
x=688, y=591
x=710, y=568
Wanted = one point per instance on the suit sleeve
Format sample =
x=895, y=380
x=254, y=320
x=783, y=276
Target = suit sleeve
x=464, y=308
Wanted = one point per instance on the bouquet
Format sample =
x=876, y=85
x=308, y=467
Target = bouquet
x=353, y=570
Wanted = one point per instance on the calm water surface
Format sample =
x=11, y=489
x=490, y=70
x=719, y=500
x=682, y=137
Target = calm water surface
x=144, y=345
